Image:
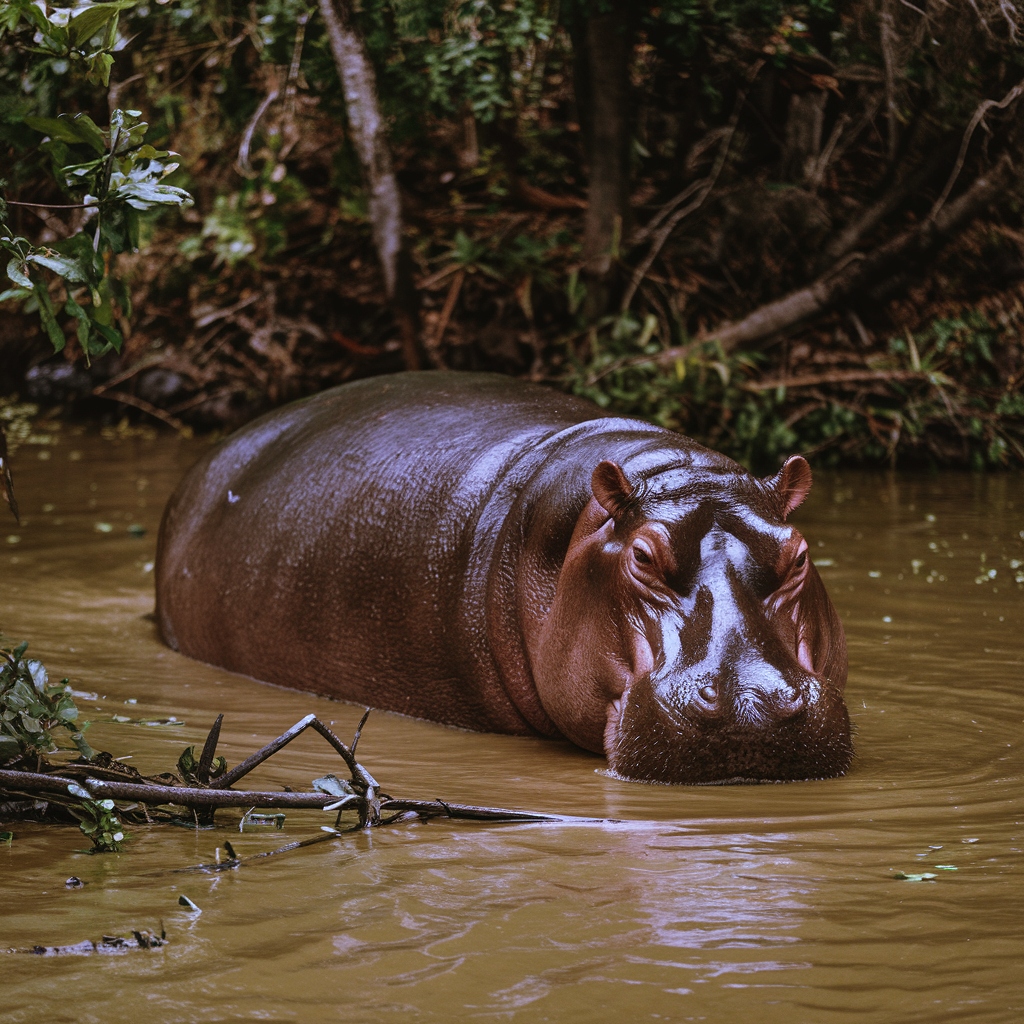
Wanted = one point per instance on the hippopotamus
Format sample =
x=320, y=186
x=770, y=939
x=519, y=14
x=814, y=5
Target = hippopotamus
x=498, y=556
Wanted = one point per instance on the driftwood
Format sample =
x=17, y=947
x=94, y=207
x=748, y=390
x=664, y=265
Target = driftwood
x=360, y=792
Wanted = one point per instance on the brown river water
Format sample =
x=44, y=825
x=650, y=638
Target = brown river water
x=774, y=903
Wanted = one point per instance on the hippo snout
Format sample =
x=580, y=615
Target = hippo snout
x=760, y=696
x=757, y=727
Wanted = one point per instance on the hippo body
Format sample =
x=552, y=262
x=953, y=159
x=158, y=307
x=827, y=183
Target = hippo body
x=490, y=554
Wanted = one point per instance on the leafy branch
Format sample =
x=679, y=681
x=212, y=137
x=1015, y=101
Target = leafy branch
x=85, y=35
x=115, y=176
x=112, y=175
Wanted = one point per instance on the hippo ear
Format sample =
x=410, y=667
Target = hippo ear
x=611, y=488
x=792, y=483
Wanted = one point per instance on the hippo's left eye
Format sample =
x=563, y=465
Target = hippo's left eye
x=801, y=560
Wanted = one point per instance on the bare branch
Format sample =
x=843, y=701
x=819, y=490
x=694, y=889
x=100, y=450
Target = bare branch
x=857, y=272
x=705, y=188
x=242, y=164
x=887, y=30
x=125, y=399
x=434, y=344
x=979, y=115
x=254, y=760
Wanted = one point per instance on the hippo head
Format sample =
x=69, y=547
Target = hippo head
x=690, y=638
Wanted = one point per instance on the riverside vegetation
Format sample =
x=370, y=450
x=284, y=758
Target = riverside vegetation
x=773, y=226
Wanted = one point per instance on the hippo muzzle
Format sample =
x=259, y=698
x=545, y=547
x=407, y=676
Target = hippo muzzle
x=751, y=725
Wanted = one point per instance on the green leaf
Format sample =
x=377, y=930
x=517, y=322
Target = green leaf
x=99, y=66
x=55, y=127
x=143, y=195
x=17, y=271
x=53, y=331
x=15, y=293
x=38, y=674
x=76, y=130
x=89, y=131
x=82, y=27
x=147, y=152
x=69, y=269
x=111, y=335
x=36, y=16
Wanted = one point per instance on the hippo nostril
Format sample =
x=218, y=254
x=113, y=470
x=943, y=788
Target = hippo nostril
x=708, y=694
x=790, y=701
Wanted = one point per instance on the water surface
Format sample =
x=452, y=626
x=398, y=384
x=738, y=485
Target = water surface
x=768, y=903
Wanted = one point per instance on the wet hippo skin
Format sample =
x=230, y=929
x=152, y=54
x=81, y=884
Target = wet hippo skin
x=474, y=550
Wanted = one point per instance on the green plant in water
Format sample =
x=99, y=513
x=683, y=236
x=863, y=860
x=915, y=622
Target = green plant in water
x=188, y=767
x=32, y=709
x=97, y=820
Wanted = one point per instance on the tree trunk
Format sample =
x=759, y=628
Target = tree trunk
x=369, y=137
x=803, y=134
x=857, y=274
x=608, y=42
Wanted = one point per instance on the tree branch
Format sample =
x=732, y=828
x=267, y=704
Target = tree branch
x=979, y=115
x=858, y=272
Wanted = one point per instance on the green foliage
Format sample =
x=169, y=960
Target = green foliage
x=482, y=107
x=110, y=173
x=115, y=176
x=484, y=60
x=719, y=399
x=188, y=767
x=32, y=709
x=83, y=37
x=98, y=821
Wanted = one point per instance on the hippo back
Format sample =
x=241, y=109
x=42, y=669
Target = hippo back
x=342, y=544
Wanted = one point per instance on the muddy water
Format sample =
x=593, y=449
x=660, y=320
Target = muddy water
x=766, y=903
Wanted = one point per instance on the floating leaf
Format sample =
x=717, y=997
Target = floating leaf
x=254, y=819
x=333, y=786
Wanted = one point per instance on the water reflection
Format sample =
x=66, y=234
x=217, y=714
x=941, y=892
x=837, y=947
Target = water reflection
x=774, y=903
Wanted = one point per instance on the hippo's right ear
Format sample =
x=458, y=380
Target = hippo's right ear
x=611, y=488
x=791, y=484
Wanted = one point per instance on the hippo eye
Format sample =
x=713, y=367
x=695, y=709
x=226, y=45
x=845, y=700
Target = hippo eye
x=642, y=555
x=801, y=560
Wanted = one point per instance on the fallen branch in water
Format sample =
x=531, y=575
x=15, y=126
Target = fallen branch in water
x=209, y=790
